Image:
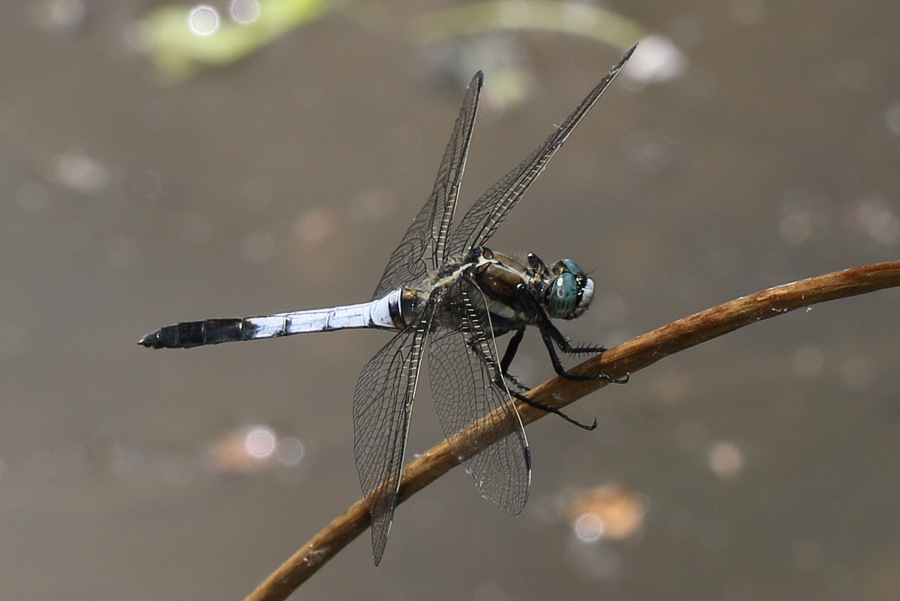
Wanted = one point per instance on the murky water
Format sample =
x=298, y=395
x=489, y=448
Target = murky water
x=766, y=461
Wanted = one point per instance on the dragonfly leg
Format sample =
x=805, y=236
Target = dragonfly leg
x=553, y=410
x=501, y=379
x=508, y=356
x=551, y=341
x=511, y=349
x=506, y=361
x=511, y=379
x=553, y=338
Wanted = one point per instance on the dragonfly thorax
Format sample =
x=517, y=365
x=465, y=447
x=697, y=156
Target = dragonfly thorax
x=515, y=290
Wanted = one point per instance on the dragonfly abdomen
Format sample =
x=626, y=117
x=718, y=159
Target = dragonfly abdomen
x=388, y=313
x=189, y=334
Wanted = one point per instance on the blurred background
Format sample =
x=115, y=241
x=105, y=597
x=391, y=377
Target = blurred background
x=271, y=158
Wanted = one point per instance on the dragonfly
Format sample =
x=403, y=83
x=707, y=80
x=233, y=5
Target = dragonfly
x=447, y=296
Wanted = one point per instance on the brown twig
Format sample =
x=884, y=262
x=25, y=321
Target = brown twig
x=616, y=362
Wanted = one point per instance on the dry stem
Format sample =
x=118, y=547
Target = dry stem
x=626, y=358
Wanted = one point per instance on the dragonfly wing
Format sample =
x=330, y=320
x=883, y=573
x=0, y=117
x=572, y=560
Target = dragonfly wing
x=427, y=235
x=381, y=408
x=468, y=391
x=489, y=212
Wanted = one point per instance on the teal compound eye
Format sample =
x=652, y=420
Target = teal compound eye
x=562, y=299
x=572, y=267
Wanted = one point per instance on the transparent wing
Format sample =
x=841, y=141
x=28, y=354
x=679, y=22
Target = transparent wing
x=381, y=408
x=489, y=212
x=467, y=388
x=428, y=233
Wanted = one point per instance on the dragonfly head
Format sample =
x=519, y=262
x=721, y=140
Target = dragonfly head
x=570, y=292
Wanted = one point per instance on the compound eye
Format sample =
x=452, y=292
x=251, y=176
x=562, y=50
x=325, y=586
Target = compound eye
x=562, y=298
x=571, y=266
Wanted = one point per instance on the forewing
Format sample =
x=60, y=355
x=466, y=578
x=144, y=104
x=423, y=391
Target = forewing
x=489, y=211
x=469, y=391
x=425, y=240
x=381, y=409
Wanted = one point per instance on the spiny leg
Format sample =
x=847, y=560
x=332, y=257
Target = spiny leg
x=553, y=338
x=551, y=342
x=510, y=353
x=553, y=410
x=506, y=361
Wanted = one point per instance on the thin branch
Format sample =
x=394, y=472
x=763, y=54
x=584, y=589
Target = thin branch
x=626, y=358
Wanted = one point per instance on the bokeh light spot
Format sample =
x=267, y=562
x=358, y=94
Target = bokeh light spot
x=203, y=20
x=244, y=12
x=725, y=459
x=260, y=442
x=290, y=451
